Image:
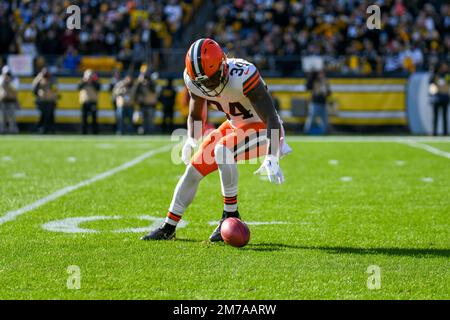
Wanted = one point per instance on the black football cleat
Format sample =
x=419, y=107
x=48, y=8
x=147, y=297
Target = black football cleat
x=216, y=236
x=164, y=232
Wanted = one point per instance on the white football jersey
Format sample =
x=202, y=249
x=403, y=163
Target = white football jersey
x=242, y=78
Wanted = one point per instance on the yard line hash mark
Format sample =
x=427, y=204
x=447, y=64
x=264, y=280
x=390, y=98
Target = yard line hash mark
x=12, y=215
x=426, y=147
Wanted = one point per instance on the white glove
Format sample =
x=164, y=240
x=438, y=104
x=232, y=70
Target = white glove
x=186, y=152
x=271, y=167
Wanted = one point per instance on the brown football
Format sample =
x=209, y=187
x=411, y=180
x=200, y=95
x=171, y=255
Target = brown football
x=235, y=232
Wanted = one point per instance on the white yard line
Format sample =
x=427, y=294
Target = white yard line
x=12, y=215
x=426, y=147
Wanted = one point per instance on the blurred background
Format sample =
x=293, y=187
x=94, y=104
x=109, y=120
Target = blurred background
x=121, y=72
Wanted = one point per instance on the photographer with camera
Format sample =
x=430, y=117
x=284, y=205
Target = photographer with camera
x=320, y=90
x=440, y=92
x=145, y=93
x=8, y=102
x=46, y=92
x=123, y=96
x=89, y=89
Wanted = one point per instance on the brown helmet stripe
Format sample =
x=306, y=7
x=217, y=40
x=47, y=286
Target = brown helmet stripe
x=199, y=57
x=191, y=54
x=196, y=57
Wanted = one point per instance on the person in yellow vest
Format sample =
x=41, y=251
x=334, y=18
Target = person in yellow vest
x=46, y=92
x=89, y=88
x=8, y=103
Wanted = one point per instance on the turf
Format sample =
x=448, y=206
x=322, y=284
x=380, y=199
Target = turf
x=393, y=213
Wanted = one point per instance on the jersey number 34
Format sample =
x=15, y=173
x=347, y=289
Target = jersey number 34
x=236, y=109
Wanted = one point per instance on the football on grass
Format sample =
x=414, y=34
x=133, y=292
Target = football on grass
x=235, y=232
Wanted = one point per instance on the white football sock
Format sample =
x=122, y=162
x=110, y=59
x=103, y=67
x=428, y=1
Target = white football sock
x=184, y=194
x=228, y=176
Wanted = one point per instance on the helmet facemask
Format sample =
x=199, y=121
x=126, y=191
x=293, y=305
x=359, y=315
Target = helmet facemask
x=221, y=77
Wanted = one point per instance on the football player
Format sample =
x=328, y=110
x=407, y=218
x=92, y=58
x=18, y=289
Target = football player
x=253, y=128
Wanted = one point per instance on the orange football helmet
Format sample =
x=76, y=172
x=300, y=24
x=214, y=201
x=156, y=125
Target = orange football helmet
x=206, y=65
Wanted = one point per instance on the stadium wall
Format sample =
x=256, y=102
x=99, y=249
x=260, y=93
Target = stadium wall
x=354, y=102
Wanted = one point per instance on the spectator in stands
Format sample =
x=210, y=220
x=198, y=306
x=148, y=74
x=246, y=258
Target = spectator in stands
x=268, y=32
x=39, y=28
x=89, y=88
x=112, y=83
x=146, y=97
x=8, y=103
x=123, y=95
x=440, y=89
x=46, y=92
x=138, y=54
x=273, y=34
x=167, y=99
x=71, y=60
x=6, y=32
x=319, y=87
x=174, y=14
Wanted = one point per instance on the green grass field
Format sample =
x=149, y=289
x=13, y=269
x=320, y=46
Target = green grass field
x=392, y=211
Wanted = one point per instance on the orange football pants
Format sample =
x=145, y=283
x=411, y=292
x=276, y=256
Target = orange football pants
x=246, y=142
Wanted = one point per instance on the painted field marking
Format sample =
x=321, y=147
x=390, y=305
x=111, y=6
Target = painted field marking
x=7, y=158
x=72, y=225
x=143, y=146
x=333, y=162
x=156, y=223
x=427, y=179
x=400, y=163
x=71, y=159
x=12, y=215
x=105, y=146
x=19, y=175
x=346, y=179
x=426, y=147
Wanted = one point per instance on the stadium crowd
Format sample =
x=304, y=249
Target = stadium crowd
x=414, y=34
x=123, y=28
